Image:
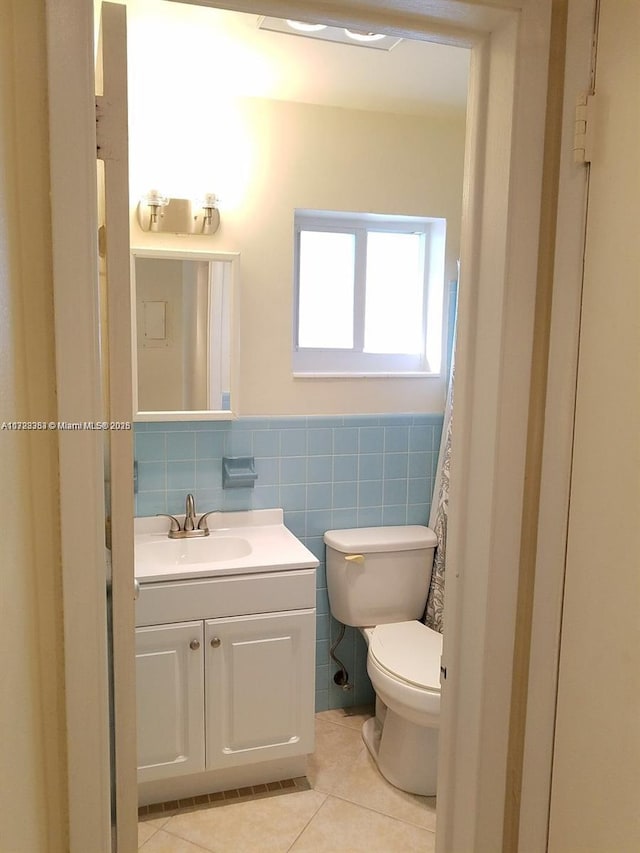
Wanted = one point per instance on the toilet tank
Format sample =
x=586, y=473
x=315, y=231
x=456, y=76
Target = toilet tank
x=379, y=574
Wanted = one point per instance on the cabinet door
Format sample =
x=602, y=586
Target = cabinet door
x=170, y=700
x=260, y=682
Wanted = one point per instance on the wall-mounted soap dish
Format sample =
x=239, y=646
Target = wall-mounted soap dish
x=238, y=472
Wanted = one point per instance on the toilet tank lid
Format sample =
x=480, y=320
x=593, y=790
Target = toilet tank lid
x=379, y=539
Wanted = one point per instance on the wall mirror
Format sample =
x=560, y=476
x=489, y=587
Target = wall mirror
x=184, y=335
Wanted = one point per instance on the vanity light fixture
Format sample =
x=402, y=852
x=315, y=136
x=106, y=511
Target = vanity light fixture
x=158, y=213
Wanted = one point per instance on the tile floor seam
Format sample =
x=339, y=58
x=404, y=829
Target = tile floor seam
x=344, y=728
x=346, y=799
x=357, y=735
x=140, y=846
x=328, y=789
x=154, y=831
x=147, y=840
x=188, y=840
x=334, y=722
x=323, y=725
x=386, y=818
x=348, y=725
x=311, y=819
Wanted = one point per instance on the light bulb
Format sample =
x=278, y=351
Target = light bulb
x=302, y=27
x=154, y=198
x=364, y=36
x=210, y=200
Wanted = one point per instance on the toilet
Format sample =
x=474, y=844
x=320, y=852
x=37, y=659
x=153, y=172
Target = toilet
x=378, y=581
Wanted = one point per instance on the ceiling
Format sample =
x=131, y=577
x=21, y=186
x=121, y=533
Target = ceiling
x=418, y=78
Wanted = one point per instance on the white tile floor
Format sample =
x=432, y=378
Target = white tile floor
x=349, y=807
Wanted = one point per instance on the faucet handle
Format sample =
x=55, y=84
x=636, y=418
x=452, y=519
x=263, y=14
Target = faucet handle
x=203, y=520
x=175, y=524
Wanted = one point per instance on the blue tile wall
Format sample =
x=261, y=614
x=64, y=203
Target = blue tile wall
x=325, y=472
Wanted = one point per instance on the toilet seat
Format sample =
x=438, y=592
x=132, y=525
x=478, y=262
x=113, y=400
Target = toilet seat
x=403, y=664
x=409, y=652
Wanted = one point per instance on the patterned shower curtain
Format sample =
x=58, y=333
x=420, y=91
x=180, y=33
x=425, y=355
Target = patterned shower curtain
x=434, y=613
x=438, y=520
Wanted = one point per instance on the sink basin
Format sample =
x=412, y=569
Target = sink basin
x=185, y=552
x=244, y=542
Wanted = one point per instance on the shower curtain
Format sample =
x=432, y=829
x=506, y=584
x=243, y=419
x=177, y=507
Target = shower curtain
x=434, y=614
x=438, y=520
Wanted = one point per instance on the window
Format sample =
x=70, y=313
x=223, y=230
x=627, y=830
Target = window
x=368, y=293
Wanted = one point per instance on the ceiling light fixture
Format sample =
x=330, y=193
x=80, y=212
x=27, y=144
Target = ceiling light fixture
x=302, y=27
x=356, y=36
x=324, y=32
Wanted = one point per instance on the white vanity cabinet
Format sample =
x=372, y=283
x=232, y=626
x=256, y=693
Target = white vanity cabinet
x=170, y=700
x=259, y=687
x=225, y=681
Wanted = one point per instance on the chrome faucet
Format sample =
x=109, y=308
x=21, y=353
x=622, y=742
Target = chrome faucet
x=190, y=528
x=190, y=514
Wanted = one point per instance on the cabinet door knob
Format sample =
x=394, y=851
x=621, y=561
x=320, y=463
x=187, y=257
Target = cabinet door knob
x=215, y=642
x=194, y=644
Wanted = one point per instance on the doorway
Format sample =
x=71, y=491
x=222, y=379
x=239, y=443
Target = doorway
x=499, y=255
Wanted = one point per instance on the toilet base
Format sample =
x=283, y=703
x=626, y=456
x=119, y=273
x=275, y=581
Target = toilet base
x=406, y=754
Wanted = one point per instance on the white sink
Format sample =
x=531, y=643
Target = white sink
x=183, y=552
x=238, y=543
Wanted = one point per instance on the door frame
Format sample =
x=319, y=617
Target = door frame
x=502, y=206
x=112, y=176
x=559, y=401
x=72, y=139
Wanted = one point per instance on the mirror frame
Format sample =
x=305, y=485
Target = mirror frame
x=195, y=415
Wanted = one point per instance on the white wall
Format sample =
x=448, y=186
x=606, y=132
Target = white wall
x=34, y=810
x=265, y=158
x=596, y=772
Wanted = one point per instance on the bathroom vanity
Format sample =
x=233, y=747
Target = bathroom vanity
x=225, y=655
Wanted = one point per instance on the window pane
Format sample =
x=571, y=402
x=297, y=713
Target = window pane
x=325, y=301
x=394, y=293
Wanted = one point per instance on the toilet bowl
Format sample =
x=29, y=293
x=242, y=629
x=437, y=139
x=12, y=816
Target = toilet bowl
x=378, y=580
x=403, y=663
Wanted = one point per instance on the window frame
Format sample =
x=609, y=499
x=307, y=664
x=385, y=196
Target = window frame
x=354, y=362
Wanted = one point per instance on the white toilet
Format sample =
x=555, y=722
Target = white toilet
x=378, y=580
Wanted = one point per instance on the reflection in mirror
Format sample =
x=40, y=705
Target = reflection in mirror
x=183, y=334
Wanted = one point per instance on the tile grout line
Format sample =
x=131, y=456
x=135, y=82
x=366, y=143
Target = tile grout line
x=198, y=847
x=156, y=829
x=346, y=799
x=311, y=819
